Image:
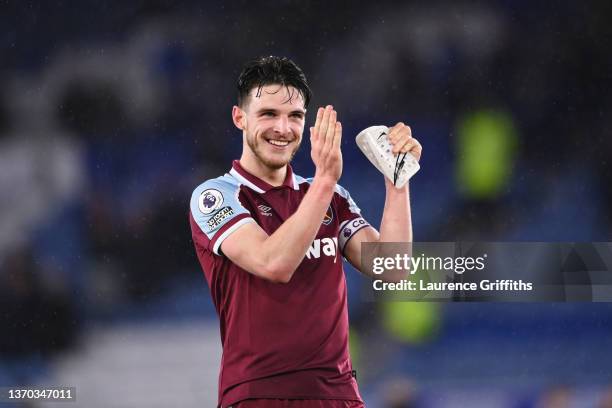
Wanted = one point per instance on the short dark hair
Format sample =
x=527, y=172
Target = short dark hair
x=263, y=71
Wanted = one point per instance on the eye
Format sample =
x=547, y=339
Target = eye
x=269, y=114
x=297, y=115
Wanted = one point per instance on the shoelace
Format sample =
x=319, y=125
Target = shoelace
x=399, y=164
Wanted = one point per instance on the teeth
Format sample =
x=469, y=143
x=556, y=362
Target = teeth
x=279, y=142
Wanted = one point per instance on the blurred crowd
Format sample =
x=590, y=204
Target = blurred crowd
x=110, y=115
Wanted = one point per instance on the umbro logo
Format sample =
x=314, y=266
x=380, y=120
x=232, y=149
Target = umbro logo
x=265, y=210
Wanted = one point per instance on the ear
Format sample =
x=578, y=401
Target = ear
x=239, y=117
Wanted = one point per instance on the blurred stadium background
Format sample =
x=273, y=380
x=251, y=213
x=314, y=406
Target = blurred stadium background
x=112, y=112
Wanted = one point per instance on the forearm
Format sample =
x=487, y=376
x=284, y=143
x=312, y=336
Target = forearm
x=396, y=226
x=396, y=223
x=284, y=250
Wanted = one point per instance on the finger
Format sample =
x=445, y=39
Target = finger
x=403, y=145
x=398, y=147
x=413, y=146
x=329, y=136
x=394, y=132
x=407, y=131
x=399, y=140
x=318, y=120
x=313, y=135
x=416, y=150
x=399, y=128
x=337, y=136
x=324, y=122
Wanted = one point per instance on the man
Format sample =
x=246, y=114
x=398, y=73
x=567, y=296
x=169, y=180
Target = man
x=270, y=244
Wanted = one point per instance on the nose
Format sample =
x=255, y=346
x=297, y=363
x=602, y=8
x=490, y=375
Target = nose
x=281, y=126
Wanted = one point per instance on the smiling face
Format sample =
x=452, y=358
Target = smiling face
x=272, y=122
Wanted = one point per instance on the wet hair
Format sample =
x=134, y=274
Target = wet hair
x=271, y=70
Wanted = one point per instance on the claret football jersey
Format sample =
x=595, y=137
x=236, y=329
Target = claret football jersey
x=280, y=340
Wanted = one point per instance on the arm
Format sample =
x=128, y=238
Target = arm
x=396, y=223
x=277, y=256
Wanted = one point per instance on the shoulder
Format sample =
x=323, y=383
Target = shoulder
x=340, y=193
x=211, y=194
x=226, y=183
x=216, y=209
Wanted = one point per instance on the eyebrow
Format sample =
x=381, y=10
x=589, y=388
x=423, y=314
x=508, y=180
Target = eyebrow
x=262, y=110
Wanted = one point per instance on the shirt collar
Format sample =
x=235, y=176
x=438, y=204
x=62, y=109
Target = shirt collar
x=258, y=184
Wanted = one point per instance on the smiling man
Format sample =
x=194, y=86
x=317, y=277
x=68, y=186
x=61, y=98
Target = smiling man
x=271, y=244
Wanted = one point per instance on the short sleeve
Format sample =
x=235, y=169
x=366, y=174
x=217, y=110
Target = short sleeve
x=216, y=210
x=349, y=215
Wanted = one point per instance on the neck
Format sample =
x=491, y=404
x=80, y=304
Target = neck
x=274, y=177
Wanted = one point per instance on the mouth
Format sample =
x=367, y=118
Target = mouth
x=278, y=143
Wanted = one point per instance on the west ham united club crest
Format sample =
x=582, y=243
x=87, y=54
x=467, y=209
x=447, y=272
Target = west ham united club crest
x=329, y=216
x=210, y=200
